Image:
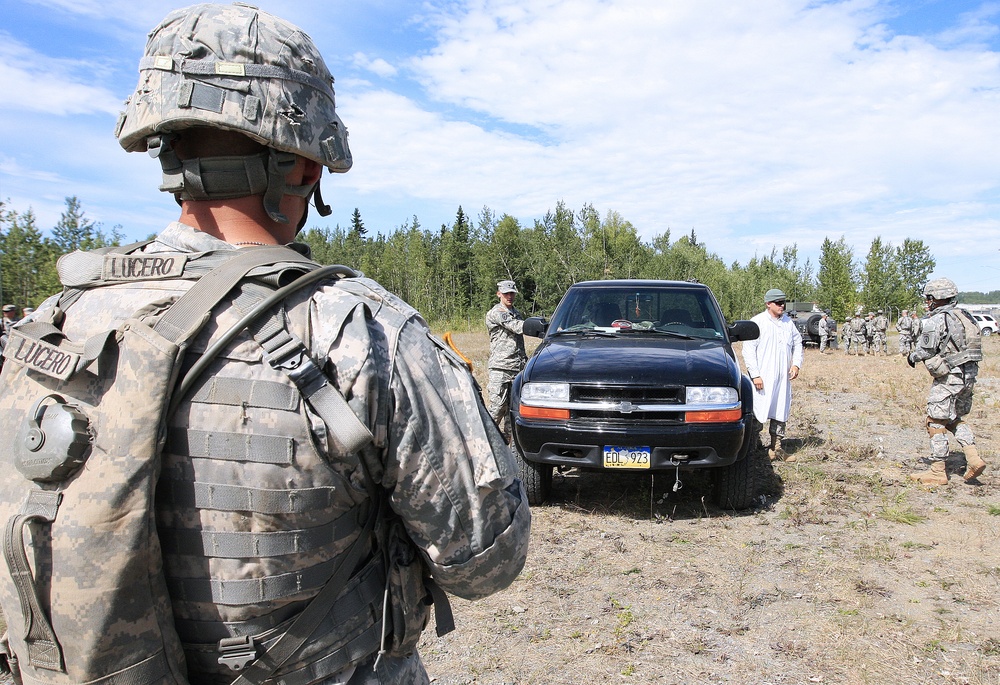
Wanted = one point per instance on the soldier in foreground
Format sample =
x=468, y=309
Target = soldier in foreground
x=507, y=356
x=261, y=499
x=949, y=345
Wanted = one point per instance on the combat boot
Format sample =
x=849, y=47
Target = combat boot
x=935, y=475
x=974, y=464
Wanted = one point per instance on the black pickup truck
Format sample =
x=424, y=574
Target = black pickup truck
x=636, y=375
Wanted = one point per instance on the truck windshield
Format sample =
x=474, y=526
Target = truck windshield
x=639, y=310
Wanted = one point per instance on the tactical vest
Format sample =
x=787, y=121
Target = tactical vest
x=964, y=343
x=262, y=504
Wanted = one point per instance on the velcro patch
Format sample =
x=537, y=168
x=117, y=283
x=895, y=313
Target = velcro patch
x=143, y=267
x=40, y=356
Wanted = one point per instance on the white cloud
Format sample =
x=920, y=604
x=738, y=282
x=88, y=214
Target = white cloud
x=377, y=66
x=34, y=82
x=718, y=115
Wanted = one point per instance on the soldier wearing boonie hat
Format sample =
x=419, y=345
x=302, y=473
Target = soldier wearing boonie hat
x=507, y=356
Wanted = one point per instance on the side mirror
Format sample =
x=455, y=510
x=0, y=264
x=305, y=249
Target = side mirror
x=536, y=326
x=743, y=330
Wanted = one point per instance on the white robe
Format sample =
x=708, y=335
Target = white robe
x=770, y=356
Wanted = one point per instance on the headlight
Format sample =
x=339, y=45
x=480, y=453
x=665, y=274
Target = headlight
x=544, y=392
x=710, y=395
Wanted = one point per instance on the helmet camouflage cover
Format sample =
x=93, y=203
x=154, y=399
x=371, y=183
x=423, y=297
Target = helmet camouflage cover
x=237, y=68
x=941, y=289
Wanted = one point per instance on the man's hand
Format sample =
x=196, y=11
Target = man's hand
x=758, y=382
x=793, y=373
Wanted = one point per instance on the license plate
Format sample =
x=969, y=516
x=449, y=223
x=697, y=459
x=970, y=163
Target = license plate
x=617, y=457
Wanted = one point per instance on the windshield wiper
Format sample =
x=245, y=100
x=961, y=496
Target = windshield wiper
x=585, y=331
x=673, y=334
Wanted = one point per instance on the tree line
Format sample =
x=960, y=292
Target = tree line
x=450, y=273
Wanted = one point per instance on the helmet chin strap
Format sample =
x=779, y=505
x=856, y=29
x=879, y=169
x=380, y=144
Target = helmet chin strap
x=228, y=177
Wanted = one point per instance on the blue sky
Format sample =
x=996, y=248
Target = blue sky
x=758, y=124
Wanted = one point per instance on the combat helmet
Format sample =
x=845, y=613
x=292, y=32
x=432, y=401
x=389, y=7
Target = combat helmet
x=941, y=289
x=236, y=68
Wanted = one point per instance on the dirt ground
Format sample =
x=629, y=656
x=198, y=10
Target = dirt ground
x=845, y=572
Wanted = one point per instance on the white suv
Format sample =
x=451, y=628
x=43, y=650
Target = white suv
x=987, y=324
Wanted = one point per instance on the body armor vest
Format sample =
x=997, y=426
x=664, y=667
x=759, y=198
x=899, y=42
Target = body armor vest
x=257, y=502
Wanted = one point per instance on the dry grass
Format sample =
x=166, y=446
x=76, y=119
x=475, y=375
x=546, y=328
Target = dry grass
x=847, y=574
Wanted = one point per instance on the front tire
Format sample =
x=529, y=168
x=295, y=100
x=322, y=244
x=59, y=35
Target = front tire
x=736, y=484
x=536, y=478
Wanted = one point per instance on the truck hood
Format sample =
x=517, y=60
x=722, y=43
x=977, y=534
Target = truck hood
x=632, y=359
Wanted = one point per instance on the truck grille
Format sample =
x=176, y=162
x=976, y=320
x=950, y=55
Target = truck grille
x=628, y=393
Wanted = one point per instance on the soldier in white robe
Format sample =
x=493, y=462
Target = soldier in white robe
x=773, y=361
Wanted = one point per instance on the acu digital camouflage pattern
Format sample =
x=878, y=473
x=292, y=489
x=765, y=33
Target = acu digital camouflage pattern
x=949, y=344
x=235, y=67
x=243, y=435
x=507, y=358
x=97, y=568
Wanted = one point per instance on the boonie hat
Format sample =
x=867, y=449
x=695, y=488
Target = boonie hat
x=506, y=287
x=773, y=295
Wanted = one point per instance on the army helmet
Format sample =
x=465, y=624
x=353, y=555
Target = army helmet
x=236, y=68
x=941, y=289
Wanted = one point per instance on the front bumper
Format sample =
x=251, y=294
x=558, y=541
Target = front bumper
x=673, y=444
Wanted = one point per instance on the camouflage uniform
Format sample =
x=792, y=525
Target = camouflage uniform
x=824, y=333
x=507, y=358
x=447, y=473
x=904, y=325
x=942, y=333
x=858, y=338
x=259, y=501
x=880, y=326
x=949, y=345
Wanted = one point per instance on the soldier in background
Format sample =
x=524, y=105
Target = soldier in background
x=950, y=347
x=858, y=338
x=881, y=325
x=869, y=331
x=824, y=332
x=903, y=327
x=831, y=324
x=507, y=356
x=848, y=335
x=9, y=318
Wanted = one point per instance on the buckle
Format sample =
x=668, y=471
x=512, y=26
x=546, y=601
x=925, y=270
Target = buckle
x=237, y=652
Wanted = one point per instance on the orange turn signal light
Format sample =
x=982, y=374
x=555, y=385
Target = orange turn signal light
x=721, y=416
x=542, y=412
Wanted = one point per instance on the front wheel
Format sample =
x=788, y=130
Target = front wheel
x=736, y=484
x=537, y=478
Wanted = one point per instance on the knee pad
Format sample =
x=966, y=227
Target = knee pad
x=935, y=427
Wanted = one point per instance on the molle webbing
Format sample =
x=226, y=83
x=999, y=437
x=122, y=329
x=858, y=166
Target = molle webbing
x=246, y=545
x=261, y=449
x=222, y=497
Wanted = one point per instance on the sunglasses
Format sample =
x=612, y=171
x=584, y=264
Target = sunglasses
x=780, y=303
